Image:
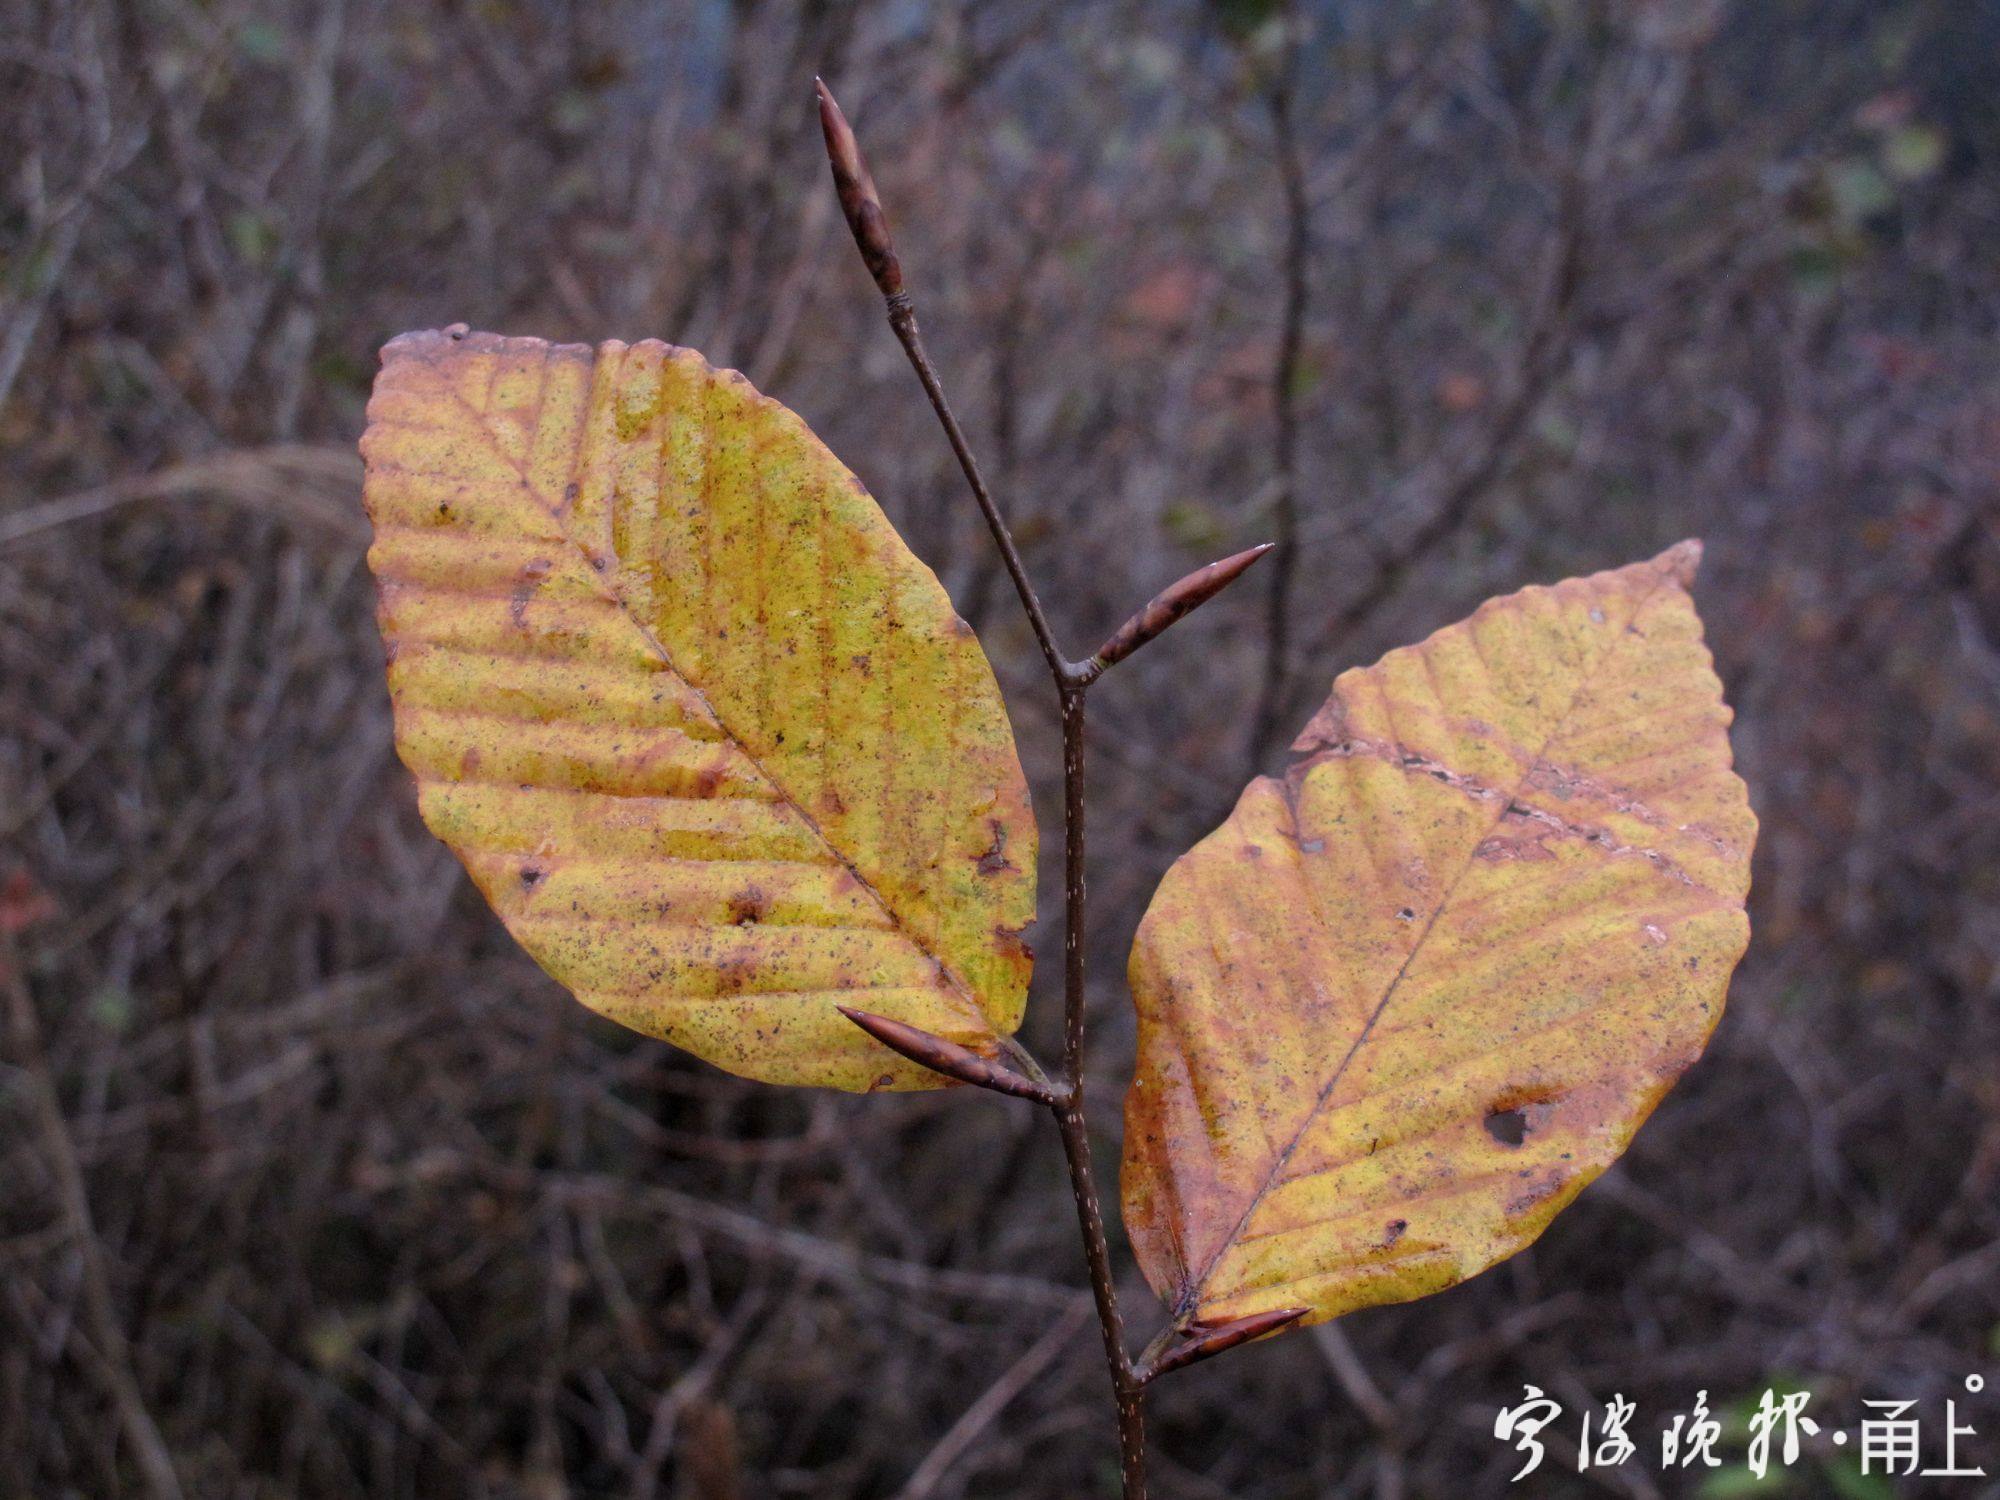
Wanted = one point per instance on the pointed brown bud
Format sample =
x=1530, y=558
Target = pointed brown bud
x=949, y=1058
x=1202, y=1341
x=858, y=199
x=1173, y=601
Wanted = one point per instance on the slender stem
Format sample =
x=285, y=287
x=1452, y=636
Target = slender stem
x=1126, y=1386
x=1075, y=893
x=903, y=319
x=1072, y=680
x=1127, y=1389
x=863, y=207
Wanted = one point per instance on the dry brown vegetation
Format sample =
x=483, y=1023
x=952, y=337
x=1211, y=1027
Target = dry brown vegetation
x=312, y=1185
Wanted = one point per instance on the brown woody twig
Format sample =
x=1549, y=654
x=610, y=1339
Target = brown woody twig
x=863, y=208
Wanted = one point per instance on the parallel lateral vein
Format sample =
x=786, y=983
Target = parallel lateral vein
x=1194, y=1290
x=612, y=590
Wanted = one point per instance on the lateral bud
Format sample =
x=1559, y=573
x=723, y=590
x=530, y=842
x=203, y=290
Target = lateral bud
x=858, y=199
x=1173, y=601
x=1202, y=1342
x=949, y=1058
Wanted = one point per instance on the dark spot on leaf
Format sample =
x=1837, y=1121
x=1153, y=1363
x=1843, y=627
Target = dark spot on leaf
x=748, y=905
x=1393, y=1231
x=994, y=860
x=733, y=974
x=1507, y=1126
x=531, y=876
x=1537, y=1193
x=1407, y=914
x=1010, y=938
x=1312, y=846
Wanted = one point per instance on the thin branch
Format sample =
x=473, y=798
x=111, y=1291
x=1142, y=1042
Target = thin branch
x=977, y=1417
x=903, y=319
x=871, y=235
x=858, y=200
x=870, y=226
x=1127, y=1389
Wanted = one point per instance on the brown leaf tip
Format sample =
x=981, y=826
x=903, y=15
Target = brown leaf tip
x=432, y=345
x=1681, y=561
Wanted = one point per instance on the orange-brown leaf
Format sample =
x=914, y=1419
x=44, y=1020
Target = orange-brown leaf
x=707, y=735
x=1419, y=990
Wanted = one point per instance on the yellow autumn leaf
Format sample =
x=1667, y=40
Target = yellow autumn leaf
x=708, y=737
x=1419, y=990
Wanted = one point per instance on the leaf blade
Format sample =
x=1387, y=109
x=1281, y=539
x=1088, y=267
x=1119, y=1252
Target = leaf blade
x=1535, y=805
x=647, y=634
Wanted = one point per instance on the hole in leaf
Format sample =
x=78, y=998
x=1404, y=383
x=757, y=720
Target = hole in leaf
x=1507, y=1126
x=531, y=876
